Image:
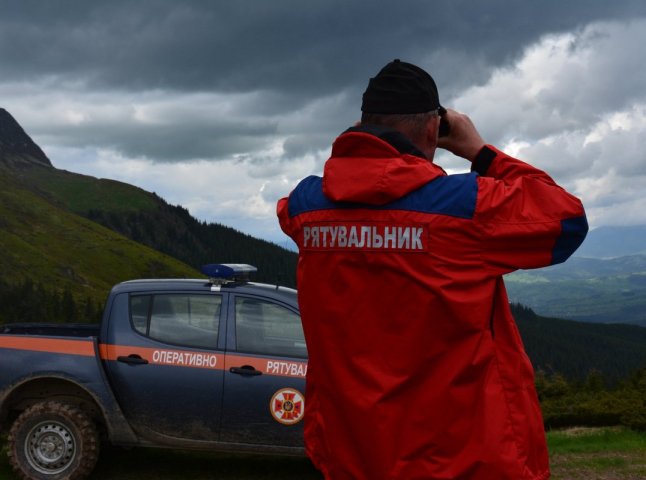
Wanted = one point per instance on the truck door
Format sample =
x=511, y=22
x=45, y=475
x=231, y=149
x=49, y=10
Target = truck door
x=264, y=377
x=165, y=357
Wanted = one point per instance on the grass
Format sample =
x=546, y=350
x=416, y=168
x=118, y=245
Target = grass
x=79, y=193
x=577, y=453
x=597, y=454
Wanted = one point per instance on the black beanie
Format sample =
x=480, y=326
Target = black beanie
x=400, y=88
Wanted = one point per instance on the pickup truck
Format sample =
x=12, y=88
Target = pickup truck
x=216, y=363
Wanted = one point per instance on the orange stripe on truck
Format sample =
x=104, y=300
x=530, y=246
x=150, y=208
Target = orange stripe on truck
x=158, y=356
x=51, y=345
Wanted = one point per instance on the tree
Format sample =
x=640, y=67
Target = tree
x=68, y=306
x=594, y=382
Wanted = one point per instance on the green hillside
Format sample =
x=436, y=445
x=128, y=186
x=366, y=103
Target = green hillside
x=148, y=219
x=79, y=193
x=49, y=245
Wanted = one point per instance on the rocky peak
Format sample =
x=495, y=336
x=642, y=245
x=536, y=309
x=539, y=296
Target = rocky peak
x=17, y=149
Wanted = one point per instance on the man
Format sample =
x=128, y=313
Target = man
x=416, y=369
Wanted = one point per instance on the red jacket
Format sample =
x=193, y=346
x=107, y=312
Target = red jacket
x=416, y=368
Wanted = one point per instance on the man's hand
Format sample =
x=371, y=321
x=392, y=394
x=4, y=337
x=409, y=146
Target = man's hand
x=463, y=140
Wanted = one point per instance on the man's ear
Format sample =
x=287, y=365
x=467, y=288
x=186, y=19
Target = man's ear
x=432, y=130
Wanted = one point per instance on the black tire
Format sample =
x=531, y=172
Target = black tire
x=53, y=441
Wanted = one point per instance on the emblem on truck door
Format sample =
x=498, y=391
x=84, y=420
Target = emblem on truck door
x=287, y=406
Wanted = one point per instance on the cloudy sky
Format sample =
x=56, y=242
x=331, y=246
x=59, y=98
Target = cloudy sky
x=223, y=106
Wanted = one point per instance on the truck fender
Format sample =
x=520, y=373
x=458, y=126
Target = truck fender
x=96, y=396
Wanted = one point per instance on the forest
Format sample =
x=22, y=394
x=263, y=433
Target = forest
x=172, y=230
x=30, y=302
x=591, y=402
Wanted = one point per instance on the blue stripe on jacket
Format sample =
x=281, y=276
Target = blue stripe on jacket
x=452, y=195
x=573, y=232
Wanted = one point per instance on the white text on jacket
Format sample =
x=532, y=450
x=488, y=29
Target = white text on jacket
x=362, y=236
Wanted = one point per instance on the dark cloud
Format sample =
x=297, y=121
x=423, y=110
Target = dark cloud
x=171, y=142
x=306, y=48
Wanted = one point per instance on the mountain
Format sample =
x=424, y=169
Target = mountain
x=47, y=244
x=605, y=280
x=65, y=229
x=16, y=147
x=585, y=289
x=610, y=242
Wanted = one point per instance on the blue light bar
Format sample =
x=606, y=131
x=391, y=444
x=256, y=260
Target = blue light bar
x=228, y=271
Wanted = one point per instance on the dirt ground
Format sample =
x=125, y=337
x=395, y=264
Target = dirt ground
x=598, y=466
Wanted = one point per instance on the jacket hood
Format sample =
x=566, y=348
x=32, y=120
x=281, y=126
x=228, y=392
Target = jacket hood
x=375, y=166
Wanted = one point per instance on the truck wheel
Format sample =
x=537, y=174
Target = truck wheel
x=53, y=441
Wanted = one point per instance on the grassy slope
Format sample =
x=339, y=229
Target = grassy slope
x=146, y=218
x=54, y=246
x=78, y=193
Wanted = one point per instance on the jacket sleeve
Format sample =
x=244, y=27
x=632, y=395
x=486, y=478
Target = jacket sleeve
x=526, y=220
x=282, y=211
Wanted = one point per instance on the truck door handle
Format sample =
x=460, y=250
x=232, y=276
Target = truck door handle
x=246, y=370
x=132, y=359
